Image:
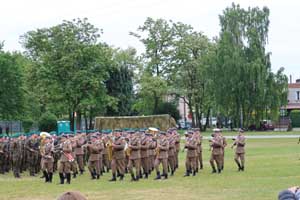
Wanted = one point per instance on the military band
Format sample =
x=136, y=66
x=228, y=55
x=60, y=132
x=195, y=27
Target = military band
x=135, y=152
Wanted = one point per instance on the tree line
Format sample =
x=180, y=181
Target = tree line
x=67, y=68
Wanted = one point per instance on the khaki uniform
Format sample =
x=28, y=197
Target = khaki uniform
x=118, y=157
x=191, y=156
x=145, y=156
x=239, y=157
x=177, y=147
x=64, y=168
x=162, y=157
x=217, y=153
x=152, y=154
x=47, y=161
x=171, y=155
x=32, y=148
x=106, y=161
x=199, y=151
x=79, y=153
x=16, y=157
x=134, y=159
x=93, y=164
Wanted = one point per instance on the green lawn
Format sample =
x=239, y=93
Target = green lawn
x=271, y=165
x=225, y=132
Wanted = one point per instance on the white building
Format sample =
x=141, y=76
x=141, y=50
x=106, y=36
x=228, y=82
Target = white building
x=294, y=96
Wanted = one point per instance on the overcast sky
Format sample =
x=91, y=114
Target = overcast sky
x=118, y=17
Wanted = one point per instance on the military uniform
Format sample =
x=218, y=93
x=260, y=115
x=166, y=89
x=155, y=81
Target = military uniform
x=177, y=147
x=199, y=151
x=171, y=154
x=145, y=156
x=118, y=158
x=191, y=155
x=134, y=159
x=95, y=150
x=217, y=153
x=162, y=157
x=64, y=168
x=79, y=153
x=32, y=148
x=47, y=160
x=16, y=157
x=239, y=157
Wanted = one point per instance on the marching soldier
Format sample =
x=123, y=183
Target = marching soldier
x=73, y=163
x=217, y=151
x=118, y=156
x=177, y=146
x=144, y=156
x=152, y=154
x=199, y=159
x=106, y=161
x=223, y=148
x=16, y=157
x=32, y=148
x=162, y=156
x=134, y=158
x=94, y=149
x=239, y=157
x=171, y=152
x=64, y=168
x=47, y=159
x=191, y=155
x=80, y=141
x=2, y=156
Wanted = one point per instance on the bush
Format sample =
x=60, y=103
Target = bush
x=48, y=122
x=27, y=124
x=295, y=118
x=168, y=108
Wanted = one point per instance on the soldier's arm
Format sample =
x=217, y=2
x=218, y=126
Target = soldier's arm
x=119, y=146
x=165, y=147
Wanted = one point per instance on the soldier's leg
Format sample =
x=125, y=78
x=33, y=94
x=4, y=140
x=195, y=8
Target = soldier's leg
x=50, y=171
x=200, y=160
x=187, y=167
x=156, y=166
x=212, y=164
x=121, y=167
x=61, y=172
x=113, y=170
x=97, y=169
x=219, y=161
x=165, y=167
x=101, y=165
x=194, y=165
x=222, y=159
x=146, y=167
x=242, y=157
x=236, y=159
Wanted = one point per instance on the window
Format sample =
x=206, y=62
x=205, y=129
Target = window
x=298, y=96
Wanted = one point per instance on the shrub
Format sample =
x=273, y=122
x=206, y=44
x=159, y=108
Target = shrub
x=48, y=122
x=295, y=118
x=168, y=108
x=27, y=124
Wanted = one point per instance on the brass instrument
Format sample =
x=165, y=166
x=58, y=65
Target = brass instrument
x=127, y=150
x=109, y=147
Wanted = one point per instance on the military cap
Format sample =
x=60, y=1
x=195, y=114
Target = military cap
x=162, y=133
x=74, y=195
x=190, y=132
x=117, y=130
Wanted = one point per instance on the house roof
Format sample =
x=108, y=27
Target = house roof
x=294, y=85
x=293, y=106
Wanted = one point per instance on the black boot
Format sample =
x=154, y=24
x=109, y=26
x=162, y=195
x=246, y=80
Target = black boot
x=121, y=177
x=194, y=173
x=81, y=172
x=93, y=175
x=74, y=174
x=68, y=178
x=219, y=171
x=113, y=178
x=132, y=177
x=50, y=177
x=46, y=176
x=242, y=168
x=166, y=175
x=172, y=172
x=62, y=178
x=157, y=176
x=214, y=170
x=146, y=175
x=187, y=173
x=98, y=176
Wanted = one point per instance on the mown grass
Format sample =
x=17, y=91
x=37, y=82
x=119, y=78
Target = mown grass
x=271, y=165
x=230, y=133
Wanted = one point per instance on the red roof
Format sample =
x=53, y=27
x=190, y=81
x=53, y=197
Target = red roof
x=294, y=85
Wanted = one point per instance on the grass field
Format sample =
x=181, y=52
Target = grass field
x=271, y=165
x=226, y=133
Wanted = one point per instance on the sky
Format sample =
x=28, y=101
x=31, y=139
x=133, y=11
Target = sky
x=118, y=17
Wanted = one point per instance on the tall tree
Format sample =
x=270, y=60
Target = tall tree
x=70, y=66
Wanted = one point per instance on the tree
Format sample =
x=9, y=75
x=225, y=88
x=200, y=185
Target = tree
x=244, y=65
x=11, y=86
x=120, y=83
x=69, y=67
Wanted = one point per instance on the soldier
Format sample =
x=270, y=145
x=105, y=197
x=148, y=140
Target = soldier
x=191, y=155
x=80, y=141
x=64, y=168
x=152, y=154
x=32, y=148
x=171, y=152
x=94, y=150
x=106, y=161
x=162, y=155
x=2, y=155
x=239, y=157
x=7, y=156
x=177, y=146
x=16, y=157
x=216, y=143
x=199, y=160
x=223, y=148
x=73, y=163
x=47, y=159
x=144, y=155
x=118, y=156
x=134, y=159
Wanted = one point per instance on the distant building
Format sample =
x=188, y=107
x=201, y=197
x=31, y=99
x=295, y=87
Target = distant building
x=294, y=96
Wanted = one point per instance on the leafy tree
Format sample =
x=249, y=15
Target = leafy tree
x=48, y=122
x=69, y=66
x=11, y=86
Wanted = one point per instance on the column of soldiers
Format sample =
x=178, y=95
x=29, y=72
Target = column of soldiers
x=137, y=153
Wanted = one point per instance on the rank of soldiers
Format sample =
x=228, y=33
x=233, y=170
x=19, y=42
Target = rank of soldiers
x=136, y=153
